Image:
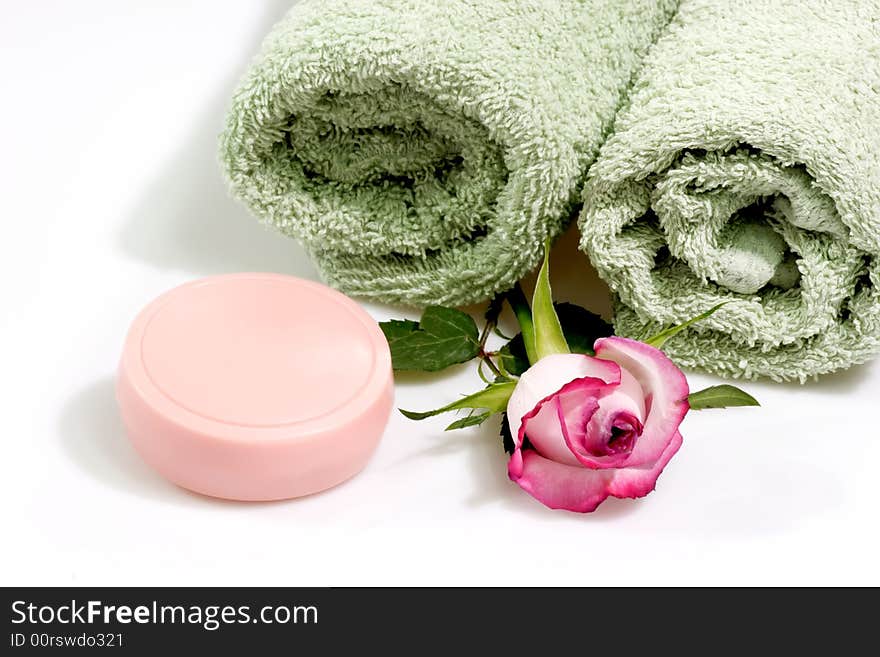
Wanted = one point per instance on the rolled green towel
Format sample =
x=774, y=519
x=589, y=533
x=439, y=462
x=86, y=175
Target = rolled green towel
x=746, y=169
x=423, y=150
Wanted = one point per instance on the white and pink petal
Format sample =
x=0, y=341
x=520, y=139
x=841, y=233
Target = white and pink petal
x=548, y=376
x=665, y=391
x=545, y=425
x=638, y=482
x=560, y=486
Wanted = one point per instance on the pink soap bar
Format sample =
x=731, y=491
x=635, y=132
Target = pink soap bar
x=255, y=386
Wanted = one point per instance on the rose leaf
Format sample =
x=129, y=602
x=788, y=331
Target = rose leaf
x=469, y=421
x=443, y=337
x=395, y=329
x=492, y=398
x=506, y=437
x=723, y=396
x=581, y=327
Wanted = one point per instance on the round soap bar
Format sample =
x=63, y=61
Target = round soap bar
x=255, y=386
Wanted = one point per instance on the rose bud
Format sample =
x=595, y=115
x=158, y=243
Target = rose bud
x=589, y=427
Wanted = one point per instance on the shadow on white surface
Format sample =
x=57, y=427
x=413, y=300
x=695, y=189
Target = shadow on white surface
x=417, y=380
x=843, y=382
x=488, y=463
x=94, y=438
x=187, y=219
x=749, y=488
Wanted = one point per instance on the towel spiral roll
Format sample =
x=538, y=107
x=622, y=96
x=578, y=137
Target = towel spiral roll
x=746, y=170
x=423, y=151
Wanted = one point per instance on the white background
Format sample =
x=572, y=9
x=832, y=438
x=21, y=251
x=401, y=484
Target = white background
x=111, y=195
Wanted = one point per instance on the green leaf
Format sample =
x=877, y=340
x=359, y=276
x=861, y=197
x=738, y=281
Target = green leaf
x=493, y=398
x=493, y=310
x=523, y=312
x=723, y=396
x=660, y=338
x=513, y=356
x=580, y=327
x=469, y=421
x=549, y=338
x=397, y=328
x=443, y=337
x=506, y=437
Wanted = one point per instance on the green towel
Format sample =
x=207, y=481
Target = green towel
x=423, y=150
x=746, y=168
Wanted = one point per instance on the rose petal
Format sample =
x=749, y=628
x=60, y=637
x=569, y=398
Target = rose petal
x=545, y=425
x=628, y=396
x=574, y=488
x=573, y=416
x=550, y=374
x=665, y=392
x=587, y=437
x=599, y=438
x=560, y=486
x=638, y=482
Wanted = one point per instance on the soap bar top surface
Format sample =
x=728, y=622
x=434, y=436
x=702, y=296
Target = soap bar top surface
x=255, y=386
x=258, y=351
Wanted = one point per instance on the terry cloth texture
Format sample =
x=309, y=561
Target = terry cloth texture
x=746, y=169
x=422, y=150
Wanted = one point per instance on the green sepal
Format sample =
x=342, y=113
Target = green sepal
x=549, y=338
x=581, y=329
x=469, y=421
x=660, y=338
x=492, y=398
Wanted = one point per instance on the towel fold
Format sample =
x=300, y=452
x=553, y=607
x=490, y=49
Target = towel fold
x=746, y=169
x=422, y=151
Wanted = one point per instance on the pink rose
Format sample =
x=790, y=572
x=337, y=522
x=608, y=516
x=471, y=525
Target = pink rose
x=588, y=427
